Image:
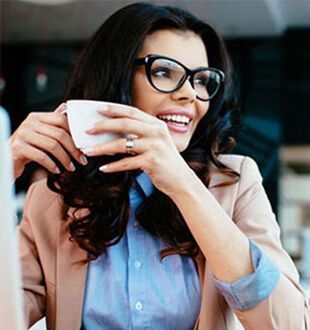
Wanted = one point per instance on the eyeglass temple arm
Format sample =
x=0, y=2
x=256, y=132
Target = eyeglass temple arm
x=139, y=61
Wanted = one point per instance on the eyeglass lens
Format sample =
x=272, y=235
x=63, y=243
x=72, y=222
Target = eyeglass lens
x=166, y=75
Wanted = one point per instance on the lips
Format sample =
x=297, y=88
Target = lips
x=178, y=128
x=177, y=120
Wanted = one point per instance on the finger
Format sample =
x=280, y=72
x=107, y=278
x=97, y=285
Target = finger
x=52, y=118
x=38, y=156
x=47, y=144
x=128, y=112
x=116, y=146
x=64, y=139
x=61, y=108
x=125, y=164
x=122, y=125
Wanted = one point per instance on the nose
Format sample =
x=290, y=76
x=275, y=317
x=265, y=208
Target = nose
x=186, y=91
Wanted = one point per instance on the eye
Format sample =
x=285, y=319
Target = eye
x=201, y=81
x=161, y=72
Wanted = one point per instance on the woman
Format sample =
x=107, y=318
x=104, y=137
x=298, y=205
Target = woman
x=160, y=231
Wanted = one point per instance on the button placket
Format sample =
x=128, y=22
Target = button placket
x=136, y=273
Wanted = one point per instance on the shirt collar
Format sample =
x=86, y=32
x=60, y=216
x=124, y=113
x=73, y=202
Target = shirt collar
x=145, y=183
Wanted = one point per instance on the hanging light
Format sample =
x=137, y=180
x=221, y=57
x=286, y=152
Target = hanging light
x=41, y=79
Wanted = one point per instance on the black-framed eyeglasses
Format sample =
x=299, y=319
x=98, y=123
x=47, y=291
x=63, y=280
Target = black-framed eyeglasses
x=168, y=75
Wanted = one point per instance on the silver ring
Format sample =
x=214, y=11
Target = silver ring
x=130, y=144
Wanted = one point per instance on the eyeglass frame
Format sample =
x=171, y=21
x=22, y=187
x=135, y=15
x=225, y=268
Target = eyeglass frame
x=148, y=60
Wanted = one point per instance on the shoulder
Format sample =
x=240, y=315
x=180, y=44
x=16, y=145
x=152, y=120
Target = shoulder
x=246, y=185
x=45, y=206
x=40, y=200
x=245, y=166
x=239, y=163
x=42, y=224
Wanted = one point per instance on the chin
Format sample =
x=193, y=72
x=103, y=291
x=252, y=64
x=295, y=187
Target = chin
x=181, y=146
x=181, y=141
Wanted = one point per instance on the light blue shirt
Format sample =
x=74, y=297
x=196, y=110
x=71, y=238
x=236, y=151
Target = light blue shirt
x=128, y=287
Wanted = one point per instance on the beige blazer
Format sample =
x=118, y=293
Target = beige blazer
x=54, y=273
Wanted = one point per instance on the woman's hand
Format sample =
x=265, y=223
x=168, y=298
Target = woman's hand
x=156, y=153
x=42, y=133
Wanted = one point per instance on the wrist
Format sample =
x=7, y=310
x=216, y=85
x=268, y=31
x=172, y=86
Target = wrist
x=185, y=183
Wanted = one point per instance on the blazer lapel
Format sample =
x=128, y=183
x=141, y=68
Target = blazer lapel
x=70, y=280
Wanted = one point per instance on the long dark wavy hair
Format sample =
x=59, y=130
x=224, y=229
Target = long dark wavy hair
x=103, y=71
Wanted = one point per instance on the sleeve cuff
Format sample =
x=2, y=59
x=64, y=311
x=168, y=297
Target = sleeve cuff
x=251, y=289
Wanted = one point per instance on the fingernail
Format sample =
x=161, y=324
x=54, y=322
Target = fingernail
x=102, y=109
x=91, y=130
x=72, y=167
x=83, y=160
x=88, y=151
x=57, y=170
x=103, y=168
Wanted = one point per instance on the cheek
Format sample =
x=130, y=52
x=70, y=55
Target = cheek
x=203, y=109
x=140, y=92
x=144, y=96
x=135, y=90
x=143, y=101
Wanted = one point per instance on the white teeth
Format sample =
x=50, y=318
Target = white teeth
x=176, y=118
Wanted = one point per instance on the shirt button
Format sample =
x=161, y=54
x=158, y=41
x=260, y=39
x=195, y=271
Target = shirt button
x=136, y=224
x=137, y=264
x=138, y=306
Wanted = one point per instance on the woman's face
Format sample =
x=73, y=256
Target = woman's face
x=187, y=48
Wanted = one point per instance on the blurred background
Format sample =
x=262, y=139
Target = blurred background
x=269, y=44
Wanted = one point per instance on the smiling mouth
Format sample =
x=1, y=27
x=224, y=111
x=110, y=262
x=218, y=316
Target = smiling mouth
x=176, y=120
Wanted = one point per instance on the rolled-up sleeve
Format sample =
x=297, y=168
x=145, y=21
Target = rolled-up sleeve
x=251, y=289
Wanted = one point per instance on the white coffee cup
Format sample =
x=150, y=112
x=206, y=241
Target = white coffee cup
x=82, y=115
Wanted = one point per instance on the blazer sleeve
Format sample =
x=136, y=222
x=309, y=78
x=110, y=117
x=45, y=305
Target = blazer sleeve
x=34, y=291
x=287, y=307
